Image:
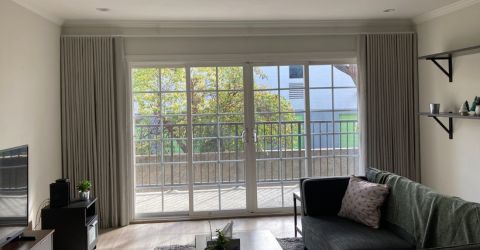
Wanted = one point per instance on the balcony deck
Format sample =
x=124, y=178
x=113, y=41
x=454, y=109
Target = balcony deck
x=208, y=199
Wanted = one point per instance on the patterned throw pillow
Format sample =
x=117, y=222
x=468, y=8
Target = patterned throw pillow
x=362, y=201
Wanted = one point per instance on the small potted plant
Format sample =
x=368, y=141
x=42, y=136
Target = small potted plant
x=84, y=190
x=220, y=243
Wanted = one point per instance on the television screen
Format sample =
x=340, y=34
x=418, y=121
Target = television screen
x=13, y=192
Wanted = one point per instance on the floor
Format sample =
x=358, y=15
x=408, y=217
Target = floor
x=151, y=235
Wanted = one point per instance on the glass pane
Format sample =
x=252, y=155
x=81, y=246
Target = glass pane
x=205, y=198
x=230, y=102
x=232, y=174
x=292, y=100
x=230, y=78
x=345, y=98
x=320, y=76
x=291, y=76
x=266, y=101
x=204, y=78
x=204, y=126
x=233, y=197
x=204, y=103
x=348, y=129
x=145, y=79
x=173, y=119
x=289, y=189
x=204, y=173
x=344, y=75
x=172, y=131
x=146, y=128
x=146, y=103
x=320, y=99
x=231, y=149
x=174, y=103
x=173, y=79
x=269, y=195
x=231, y=129
x=205, y=150
x=292, y=123
x=265, y=77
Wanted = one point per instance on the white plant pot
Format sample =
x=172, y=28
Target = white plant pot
x=84, y=196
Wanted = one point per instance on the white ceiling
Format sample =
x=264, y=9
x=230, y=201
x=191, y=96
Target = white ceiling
x=232, y=10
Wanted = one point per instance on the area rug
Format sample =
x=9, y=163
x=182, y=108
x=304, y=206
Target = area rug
x=286, y=243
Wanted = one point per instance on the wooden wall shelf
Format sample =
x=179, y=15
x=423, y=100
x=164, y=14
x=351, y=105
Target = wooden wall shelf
x=450, y=117
x=447, y=56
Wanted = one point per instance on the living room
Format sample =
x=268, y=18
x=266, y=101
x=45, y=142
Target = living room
x=162, y=122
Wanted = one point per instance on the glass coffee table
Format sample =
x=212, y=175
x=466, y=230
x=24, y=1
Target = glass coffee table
x=249, y=240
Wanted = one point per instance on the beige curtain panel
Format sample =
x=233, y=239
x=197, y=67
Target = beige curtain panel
x=388, y=78
x=95, y=127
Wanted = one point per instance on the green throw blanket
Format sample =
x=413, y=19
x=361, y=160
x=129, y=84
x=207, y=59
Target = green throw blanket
x=432, y=219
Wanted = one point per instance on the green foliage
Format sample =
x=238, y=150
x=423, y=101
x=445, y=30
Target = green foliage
x=161, y=95
x=84, y=186
x=221, y=241
x=350, y=140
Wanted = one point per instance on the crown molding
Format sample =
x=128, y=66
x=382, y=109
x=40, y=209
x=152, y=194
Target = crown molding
x=234, y=24
x=462, y=4
x=50, y=17
x=233, y=28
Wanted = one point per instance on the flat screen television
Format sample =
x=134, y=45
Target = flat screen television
x=13, y=193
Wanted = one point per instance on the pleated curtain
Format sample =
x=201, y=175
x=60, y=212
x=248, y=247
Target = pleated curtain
x=95, y=123
x=389, y=103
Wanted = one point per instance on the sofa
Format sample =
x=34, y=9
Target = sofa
x=413, y=217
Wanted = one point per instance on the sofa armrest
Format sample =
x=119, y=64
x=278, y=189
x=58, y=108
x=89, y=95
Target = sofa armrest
x=323, y=196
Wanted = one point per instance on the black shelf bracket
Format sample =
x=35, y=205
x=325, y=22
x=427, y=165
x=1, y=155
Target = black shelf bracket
x=449, y=130
x=448, y=72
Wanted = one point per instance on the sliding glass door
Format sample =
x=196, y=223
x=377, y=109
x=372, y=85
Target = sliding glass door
x=218, y=150
x=161, y=165
x=279, y=100
x=237, y=138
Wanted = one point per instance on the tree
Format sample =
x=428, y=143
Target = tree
x=349, y=69
x=165, y=114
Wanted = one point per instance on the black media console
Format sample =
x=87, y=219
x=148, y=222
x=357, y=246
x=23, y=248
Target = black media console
x=76, y=225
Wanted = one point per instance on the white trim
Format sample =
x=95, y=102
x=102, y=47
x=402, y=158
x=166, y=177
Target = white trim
x=233, y=28
x=234, y=24
x=46, y=15
x=462, y=4
x=318, y=57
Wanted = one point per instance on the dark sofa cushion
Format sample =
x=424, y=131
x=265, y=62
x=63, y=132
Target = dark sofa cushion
x=336, y=233
x=323, y=196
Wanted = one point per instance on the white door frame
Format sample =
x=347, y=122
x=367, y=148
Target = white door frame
x=304, y=59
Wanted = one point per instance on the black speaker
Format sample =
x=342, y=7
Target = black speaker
x=60, y=193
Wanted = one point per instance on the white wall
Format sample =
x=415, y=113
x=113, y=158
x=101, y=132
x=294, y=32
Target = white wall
x=30, y=94
x=450, y=166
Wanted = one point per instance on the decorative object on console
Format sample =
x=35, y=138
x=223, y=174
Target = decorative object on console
x=220, y=243
x=223, y=240
x=434, y=108
x=474, y=104
x=362, y=201
x=84, y=190
x=464, y=108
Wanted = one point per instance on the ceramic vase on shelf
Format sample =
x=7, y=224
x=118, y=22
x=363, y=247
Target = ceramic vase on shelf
x=464, y=109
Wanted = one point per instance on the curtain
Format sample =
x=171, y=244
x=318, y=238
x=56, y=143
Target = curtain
x=95, y=123
x=389, y=103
